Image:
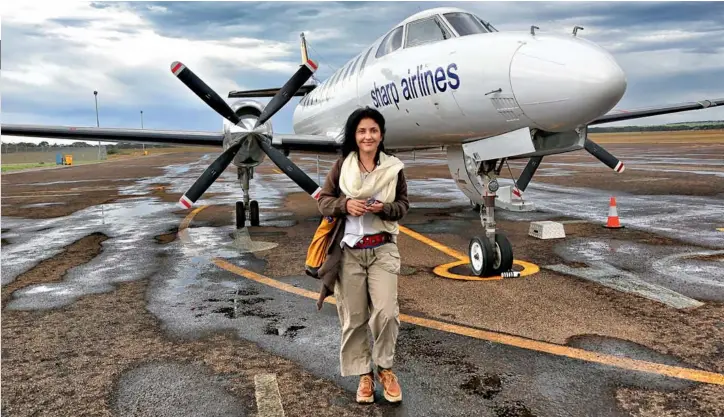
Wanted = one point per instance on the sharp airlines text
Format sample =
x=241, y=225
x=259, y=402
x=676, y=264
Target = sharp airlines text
x=415, y=85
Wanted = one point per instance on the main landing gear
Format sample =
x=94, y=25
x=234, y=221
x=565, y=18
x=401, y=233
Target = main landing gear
x=491, y=254
x=246, y=206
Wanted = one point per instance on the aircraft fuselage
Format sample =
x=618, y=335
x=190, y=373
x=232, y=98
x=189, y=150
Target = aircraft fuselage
x=470, y=87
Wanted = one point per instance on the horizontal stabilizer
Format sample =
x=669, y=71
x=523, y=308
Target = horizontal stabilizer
x=270, y=92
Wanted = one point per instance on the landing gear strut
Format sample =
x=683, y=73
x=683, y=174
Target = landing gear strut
x=491, y=254
x=244, y=175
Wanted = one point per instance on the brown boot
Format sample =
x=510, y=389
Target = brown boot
x=392, y=390
x=366, y=389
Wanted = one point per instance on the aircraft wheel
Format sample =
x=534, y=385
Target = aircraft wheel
x=240, y=215
x=481, y=255
x=503, y=251
x=254, y=213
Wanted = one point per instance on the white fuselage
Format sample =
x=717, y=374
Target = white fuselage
x=468, y=88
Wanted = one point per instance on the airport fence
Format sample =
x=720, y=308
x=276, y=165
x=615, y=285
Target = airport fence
x=18, y=154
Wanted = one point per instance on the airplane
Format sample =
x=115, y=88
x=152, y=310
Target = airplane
x=442, y=78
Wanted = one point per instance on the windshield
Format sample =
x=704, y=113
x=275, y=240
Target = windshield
x=465, y=23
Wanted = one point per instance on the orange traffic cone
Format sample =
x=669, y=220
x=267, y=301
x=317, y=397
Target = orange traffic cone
x=613, y=222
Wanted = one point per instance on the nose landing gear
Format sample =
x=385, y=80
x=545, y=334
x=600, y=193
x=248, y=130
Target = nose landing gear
x=491, y=254
x=244, y=175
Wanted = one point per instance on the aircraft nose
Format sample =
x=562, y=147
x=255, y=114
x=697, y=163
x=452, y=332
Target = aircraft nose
x=562, y=83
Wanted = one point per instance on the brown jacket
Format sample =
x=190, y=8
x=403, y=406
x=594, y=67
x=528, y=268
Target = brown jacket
x=332, y=202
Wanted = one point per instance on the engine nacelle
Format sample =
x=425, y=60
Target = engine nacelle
x=250, y=154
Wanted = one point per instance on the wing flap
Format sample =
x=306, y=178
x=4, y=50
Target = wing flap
x=655, y=111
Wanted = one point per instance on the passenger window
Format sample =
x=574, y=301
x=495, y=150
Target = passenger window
x=391, y=42
x=426, y=31
x=354, y=65
x=364, y=61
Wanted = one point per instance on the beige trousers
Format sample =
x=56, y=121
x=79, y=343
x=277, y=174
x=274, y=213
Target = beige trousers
x=366, y=296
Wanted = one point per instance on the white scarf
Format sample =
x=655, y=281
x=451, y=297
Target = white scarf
x=381, y=182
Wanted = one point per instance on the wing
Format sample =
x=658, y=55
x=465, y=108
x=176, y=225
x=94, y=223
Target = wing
x=287, y=142
x=655, y=111
x=270, y=92
x=105, y=134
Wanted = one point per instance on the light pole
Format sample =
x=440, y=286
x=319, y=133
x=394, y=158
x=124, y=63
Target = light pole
x=98, y=124
x=143, y=145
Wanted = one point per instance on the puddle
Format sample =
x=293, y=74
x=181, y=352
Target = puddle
x=44, y=204
x=671, y=267
x=686, y=218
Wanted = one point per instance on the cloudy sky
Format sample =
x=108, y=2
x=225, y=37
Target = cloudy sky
x=55, y=54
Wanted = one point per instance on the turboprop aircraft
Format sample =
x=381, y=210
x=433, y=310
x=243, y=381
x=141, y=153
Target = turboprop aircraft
x=442, y=78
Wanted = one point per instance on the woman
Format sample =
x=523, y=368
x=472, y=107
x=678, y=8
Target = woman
x=366, y=191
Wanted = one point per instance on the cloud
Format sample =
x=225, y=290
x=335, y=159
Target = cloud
x=55, y=54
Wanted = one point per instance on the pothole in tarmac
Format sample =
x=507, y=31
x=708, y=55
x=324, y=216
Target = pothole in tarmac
x=513, y=409
x=486, y=385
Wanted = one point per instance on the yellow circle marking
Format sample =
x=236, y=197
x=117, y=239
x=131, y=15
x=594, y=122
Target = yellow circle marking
x=444, y=270
x=505, y=339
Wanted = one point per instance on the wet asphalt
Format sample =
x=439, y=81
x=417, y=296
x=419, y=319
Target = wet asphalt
x=442, y=374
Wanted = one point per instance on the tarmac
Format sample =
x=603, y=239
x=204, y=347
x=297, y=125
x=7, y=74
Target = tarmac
x=117, y=302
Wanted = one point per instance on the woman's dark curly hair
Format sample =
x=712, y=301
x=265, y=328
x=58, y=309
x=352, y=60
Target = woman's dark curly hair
x=350, y=142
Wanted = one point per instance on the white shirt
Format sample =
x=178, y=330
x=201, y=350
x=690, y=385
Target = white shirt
x=356, y=227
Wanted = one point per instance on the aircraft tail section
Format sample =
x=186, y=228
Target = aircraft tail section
x=271, y=92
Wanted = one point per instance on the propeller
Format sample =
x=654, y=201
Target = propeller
x=602, y=155
x=527, y=175
x=590, y=146
x=210, y=97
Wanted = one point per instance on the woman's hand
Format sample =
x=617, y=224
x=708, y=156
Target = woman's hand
x=375, y=208
x=356, y=207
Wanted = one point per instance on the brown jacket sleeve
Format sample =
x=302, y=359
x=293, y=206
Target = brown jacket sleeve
x=397, y=209
x=332, y=202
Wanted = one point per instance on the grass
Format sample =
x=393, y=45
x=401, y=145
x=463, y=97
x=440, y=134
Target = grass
x=16, y=167
x=121, y=154
x=679, y=136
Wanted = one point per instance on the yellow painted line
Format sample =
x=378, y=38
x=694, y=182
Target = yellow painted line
x=444, y=270
x=510, y=340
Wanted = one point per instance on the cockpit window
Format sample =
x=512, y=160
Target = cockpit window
x=465, y=23
x=391, y=42
x=425, y=31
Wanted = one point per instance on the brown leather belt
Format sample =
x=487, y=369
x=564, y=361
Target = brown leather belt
x=371, y=241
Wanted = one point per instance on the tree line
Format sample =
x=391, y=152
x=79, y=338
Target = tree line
x=717, y=125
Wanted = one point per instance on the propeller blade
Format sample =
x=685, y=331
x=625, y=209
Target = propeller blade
x=291, y=169
x=603, y=155
x=527, y=174
x=205, y=93
x=209, y=176
x=286, y=93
